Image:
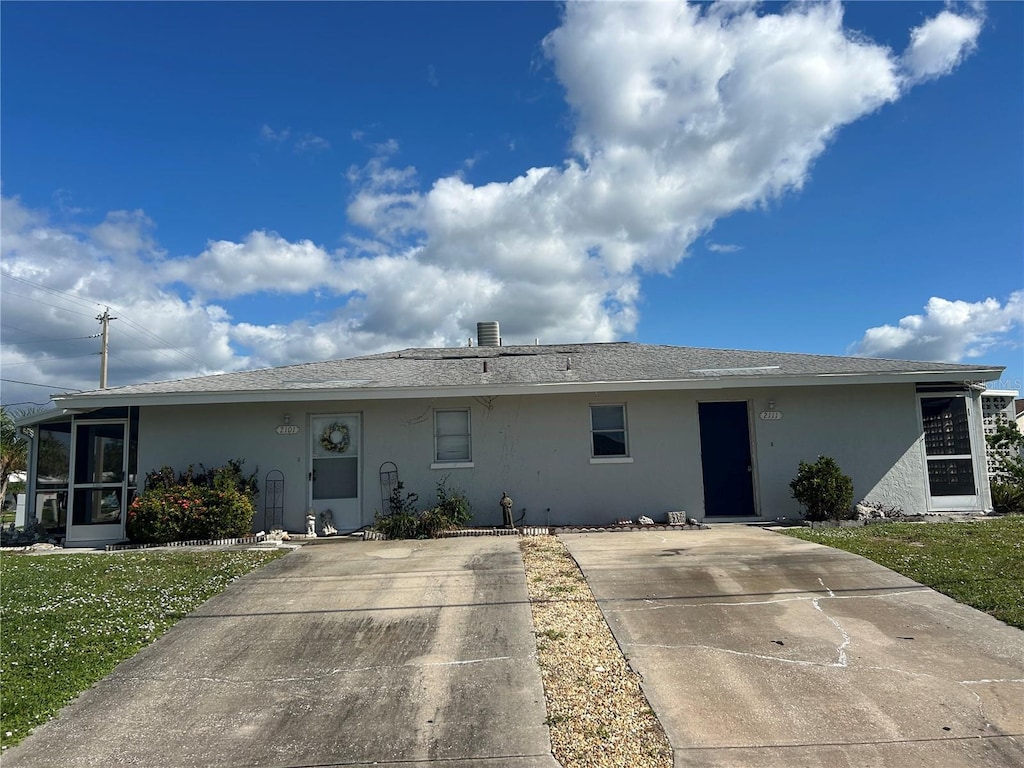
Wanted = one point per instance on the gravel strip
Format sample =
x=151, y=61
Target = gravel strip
x=597, y=713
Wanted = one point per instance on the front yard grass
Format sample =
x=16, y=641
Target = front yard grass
x=977, y=563
x=68, y=620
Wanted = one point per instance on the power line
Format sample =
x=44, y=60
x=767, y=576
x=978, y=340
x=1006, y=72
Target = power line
x=48, y=386
x=54, y=291
x=44, y=303
x=45, y=341
x=41, y=360
x=161, y=340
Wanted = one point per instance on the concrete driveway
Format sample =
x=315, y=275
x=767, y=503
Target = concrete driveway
x=343, y=653
x=757, y=649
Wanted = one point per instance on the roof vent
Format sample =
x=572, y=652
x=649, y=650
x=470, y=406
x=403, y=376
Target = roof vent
x=487, y=334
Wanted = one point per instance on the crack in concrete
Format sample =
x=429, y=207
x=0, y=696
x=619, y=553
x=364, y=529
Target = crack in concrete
x=841, y=662
x=765, y=657
x=841, y=650
x=656, y=605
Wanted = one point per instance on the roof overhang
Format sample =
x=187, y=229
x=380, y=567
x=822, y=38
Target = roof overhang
x=112, y=398
x=49, y=416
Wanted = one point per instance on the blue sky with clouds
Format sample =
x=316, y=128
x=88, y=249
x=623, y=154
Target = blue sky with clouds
x=257, y=184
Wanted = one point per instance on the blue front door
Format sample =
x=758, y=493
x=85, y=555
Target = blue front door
x=725, y=460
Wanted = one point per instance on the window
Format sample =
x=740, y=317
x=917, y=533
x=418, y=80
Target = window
x=53, y=472
x=608, y=431
x=452, y=440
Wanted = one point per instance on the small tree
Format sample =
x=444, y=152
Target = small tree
x=823, y=490
x=13, y=450
x=1006, y=445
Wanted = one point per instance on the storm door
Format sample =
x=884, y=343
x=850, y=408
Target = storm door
x=99, y=489
x=726, y=460
x=947, y=424
x=334, y=474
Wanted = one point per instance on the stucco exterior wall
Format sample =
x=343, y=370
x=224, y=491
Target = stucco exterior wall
x=872, y=432
x=538, y=449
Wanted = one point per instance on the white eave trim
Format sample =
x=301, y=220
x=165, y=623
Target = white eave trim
x=306, y=394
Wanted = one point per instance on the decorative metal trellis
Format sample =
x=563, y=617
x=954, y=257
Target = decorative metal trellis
x=388, y=483
x=273, y=501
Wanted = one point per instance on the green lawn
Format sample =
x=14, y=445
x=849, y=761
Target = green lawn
x=980, y=563
x=67, y=620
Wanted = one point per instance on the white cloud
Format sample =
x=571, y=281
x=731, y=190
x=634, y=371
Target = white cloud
x=724, y=247
x=277, y=137
x=307, y=142
x=684, y=114
x=126, y=232
x=311, y=143
x=948, y=331
x=941, y=43
x=263, y=262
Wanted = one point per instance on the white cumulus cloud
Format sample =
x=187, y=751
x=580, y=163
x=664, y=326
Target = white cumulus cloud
x=941, y=43
x=949, y=331
x=684, y=113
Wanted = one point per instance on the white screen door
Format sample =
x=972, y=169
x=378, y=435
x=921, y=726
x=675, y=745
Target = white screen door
x=334, y=475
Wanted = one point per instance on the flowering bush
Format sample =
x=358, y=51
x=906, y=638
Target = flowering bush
x=208, y=504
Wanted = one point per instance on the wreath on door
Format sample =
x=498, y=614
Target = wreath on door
x=335, y=438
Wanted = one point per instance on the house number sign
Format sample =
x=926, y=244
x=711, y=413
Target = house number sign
x=288, y=429
x=771, y=415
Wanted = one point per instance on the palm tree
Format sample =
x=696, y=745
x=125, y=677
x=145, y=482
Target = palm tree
x=13, y=450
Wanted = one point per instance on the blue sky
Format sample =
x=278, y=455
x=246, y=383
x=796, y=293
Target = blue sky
x=248, y=185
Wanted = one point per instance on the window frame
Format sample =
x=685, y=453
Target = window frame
x=85, y=479
x=459, y=463
x=610, y=458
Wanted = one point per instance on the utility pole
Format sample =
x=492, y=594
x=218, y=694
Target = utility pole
x=104, y=319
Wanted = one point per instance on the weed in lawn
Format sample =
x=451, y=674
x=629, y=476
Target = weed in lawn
x=68, y=620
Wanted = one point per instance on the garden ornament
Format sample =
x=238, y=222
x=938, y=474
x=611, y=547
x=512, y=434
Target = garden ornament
x=327, y=522
x=506, y=509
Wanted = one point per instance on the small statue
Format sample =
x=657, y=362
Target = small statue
x=327, y=522
x=506, y=509
x=311, y=524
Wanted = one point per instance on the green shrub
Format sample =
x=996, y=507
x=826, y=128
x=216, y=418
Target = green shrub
x=404, y=521
x=1007, y=498
x=823, y=490
x=400, y=519
x=452, y=506
x=209, y=504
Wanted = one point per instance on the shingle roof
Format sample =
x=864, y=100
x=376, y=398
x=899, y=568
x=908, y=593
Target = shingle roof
x=549, y=365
